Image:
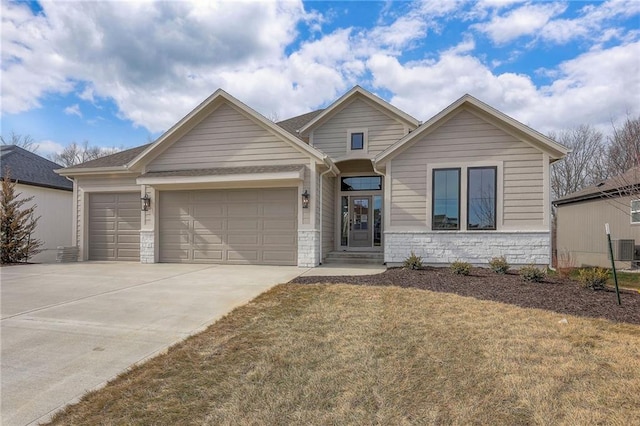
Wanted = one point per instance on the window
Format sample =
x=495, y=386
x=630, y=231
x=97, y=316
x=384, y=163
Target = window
x=481, y=198
x=365, y=183
x=446, y=199
x=635, y=211
x=357, y=141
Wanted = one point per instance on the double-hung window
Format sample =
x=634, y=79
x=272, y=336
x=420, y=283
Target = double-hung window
x=635, y=211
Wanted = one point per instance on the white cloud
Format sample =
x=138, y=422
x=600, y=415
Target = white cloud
x=73, y=110
x=592, y=88
x=48, y=147
x=157, y=61
x=525, y=20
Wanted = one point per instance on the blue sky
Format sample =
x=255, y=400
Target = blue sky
x=119, y=73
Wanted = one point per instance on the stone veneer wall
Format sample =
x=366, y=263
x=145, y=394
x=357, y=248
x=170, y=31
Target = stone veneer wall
x=477, y=248
x=308, y=248
x=147, y=250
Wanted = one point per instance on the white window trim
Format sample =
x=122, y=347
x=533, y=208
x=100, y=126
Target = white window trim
x=463, y=193
x=365, y=142
x=632, y=211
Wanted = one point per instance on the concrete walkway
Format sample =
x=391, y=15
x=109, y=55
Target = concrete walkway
x=69, y=328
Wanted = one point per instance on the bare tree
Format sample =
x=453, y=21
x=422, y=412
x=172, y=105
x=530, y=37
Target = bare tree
x=584, y=166
x=75, y=153
x=23, y=141
x=624, y=147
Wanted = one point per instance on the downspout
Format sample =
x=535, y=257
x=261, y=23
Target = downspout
x=336, y=172
x=384, y=204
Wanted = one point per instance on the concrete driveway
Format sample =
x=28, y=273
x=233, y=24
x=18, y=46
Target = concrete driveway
x=69, y=328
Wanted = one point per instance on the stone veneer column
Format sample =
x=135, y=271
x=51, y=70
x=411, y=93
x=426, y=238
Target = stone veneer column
x=147, y=249
x=308, y=248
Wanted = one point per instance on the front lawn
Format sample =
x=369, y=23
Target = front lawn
x=343, y=354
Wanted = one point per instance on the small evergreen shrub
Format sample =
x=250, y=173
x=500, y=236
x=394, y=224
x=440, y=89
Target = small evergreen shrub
x=461, y=268
x=593, y=278
x=499, y=265
x=413, y=261
x=532, y=274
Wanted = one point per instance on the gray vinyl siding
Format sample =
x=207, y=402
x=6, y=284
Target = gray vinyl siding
x=227, y=138
x=383, y=131
x=463, y=140
x=580, y=229
x=328, y=215
x=98, y=184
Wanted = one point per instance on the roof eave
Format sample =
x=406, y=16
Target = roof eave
x=71, y=171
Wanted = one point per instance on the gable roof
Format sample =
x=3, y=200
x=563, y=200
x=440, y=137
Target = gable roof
x=218, y=98
x=31, y=169
x=345, y=99
x=624, y=184
x=114, y=160
x=292, y=124
x=497, y=118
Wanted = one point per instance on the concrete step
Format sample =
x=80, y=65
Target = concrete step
x=361, y=258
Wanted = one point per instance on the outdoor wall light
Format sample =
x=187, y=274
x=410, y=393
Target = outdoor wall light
x=305, y=199
x=146, y=202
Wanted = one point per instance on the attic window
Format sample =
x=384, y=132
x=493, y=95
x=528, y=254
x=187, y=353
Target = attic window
x=357, y=141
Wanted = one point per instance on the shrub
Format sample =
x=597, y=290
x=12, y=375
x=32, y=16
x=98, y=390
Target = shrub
x=413, y=261
x=499, y=265
x=461, y=268
x=593, y=278
x=565, y=264
x=532, y=274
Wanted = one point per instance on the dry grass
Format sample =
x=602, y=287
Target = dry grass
x=338, y=354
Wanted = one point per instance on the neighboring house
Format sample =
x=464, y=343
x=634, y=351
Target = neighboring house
x=226, y=185
x=52, y=194
x=581, y=219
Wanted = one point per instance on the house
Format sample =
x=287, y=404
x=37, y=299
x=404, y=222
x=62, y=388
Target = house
x=226, y=185
x=581, y=219
x=52, y=194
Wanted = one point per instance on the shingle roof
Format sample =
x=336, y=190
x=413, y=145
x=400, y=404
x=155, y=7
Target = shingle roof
x=626, y=182
x=292, y=124
x=31, y=169
x=118, y=159
x=123, y=157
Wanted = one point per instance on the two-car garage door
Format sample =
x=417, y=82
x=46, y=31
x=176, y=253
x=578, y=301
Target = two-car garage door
x=249, y=226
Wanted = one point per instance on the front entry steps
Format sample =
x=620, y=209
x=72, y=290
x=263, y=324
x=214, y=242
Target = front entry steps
x=355, y=257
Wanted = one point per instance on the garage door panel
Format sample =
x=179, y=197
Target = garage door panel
x=278, y=225
x=278, y=210
x=114, y=226
x=278, y=257
x=201, y=240
x=208, y=224
x=278, y=240
x=247, y=239
x=244, y=226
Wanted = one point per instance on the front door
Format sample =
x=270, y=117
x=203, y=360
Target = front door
x=361, y=222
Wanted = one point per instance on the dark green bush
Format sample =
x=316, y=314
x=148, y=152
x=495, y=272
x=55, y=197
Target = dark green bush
x=499, y=265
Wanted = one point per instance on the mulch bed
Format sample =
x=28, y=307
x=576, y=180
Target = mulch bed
x=555, y=294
